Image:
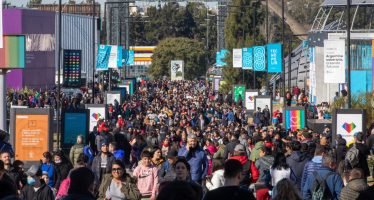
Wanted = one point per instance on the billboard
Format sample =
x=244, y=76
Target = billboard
x=334, y=60
x=216, y=84
x=247, y=58
x=74, y=123
x=108, y=56
x=96, y=112
x=237, y=56
x=72, y=62
x=112, y=96
x=177, y=70
x=12, y=55
x=294, y=118
x=274, y=52
x=262, y=102
x=259, y=58
x=250, y=99
x=347, y=122
x=30, y=133
x=239, y=92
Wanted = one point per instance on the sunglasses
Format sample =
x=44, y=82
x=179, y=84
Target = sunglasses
x=116, y=169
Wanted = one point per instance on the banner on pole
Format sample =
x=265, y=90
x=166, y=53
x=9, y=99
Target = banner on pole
x=128, y=57
x=334, y=59
x=237, y=58
x=259, y=58
x=247, y=58
x=177, y=70
x=108, y=56
x=220, y=58
x=239, y=92
x=274, y=52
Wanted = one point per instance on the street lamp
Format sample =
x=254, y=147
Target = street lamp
x=349, y=52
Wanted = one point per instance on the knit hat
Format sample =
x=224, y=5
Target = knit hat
x=239, y=148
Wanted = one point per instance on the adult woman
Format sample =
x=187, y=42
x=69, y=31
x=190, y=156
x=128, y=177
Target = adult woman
x=157, y=158
x=48, y=166
x=182, y=170
x=286, y=191
x=280, y=170
x=118, y=185
x=217, y=179
x=62, y=166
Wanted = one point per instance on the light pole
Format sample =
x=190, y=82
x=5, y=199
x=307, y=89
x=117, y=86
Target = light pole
x=349, y=52
x=283, y=69
x=93, y=51
x=58, y=103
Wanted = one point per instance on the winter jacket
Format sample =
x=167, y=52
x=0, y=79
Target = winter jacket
x=166, y=172
x=341, y=151
x=311, y=166
x=62, y=171
x=147, y=180
x=255, y=153
x=246, y=173
x=333, y=181
x=198, y=162
x=220, y=152
x=44, y=193
x=263, y=165
x=63, y=190
x=297, y=161
x=229, y=148
x=362, y=156
x=96, y=167
x=353, y=189
x=129, y=189
x=74, y=153
x=217, y=180
x=51, y=170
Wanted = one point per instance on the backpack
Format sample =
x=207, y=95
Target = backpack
x=88, y=152
x=320, y=189
x=351, y=157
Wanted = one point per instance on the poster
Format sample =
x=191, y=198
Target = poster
x=348, y=124
x=177, y=70
x=334, y=61
x=12, y=55
x=294, y=119
x=250, y=99
x=31, y=136
x=312, y=76
x=239, y=92
x=237, y=58
x=110, y=97
x=259, y=58
x=74, y=124
x=220, y=58
x=216, y=84
x=247, y=58
x=274, y=55
x=96, y=112
x=262, y=102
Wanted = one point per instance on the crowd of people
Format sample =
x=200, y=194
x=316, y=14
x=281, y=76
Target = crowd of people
x=174, y=140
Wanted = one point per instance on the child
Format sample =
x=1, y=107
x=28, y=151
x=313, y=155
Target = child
x=147, y=176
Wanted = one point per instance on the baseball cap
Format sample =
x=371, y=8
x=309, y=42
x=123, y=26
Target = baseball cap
x=239, y=148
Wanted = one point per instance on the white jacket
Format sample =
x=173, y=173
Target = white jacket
x=217, y=180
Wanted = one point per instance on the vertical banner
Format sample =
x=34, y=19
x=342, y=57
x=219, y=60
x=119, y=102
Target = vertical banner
x=74, y=123
x=102, y=57
x=13, y=52
x=372, y=62
x=250, y=99
x=347, y=122
x=114, y=57
x=239, y=92
x=1, y=23
x=237, y=58
x=72, y=62
x=294, y=119
x=259, y=58
x=220, y=58
x=217, y=82
x=334, y=60
x=247, y=58
x=128, y=57
x=274, y=52
x=176, y=70
x=312, y=75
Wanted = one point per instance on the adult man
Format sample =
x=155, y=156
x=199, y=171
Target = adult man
x=296, y=160
x=364, y=151
x=357, y=184
x=229, y=148
x=5, y=146
x=167, y=172
x=102, y=163
x=313, y=165
x=5, y=157
x=241, y=156
x=327, y=174
x=231, y=189
x=196, y=157
x=36, y=187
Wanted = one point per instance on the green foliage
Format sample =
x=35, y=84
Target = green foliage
x=189, y=50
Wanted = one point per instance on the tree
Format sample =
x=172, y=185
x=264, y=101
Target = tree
x=189, y=50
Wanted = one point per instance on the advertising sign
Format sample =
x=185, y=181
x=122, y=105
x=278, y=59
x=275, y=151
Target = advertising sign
x=312, y=75
x=239, y=92
x=112, y=96
x=115, y=57
x=97, y=111
x=247, y=58
x=274, y=52
x=250, y=99
x=12, y=55
x=347, y=122
x=216, y=84
x=262, y=102
x=74, y=124
x=237, y=58
x=177, y=70
x=72, y=62
x=220, y=58
x=108, y=56
x=259, y=58
x=294, y=118
x=334, y=60
x=128, y=57
x=30, y=133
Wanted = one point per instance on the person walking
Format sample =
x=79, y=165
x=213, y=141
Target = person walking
x=81, y=184
x=102, y=164
x=357, y=184
x=146, y=175
x=76, y=149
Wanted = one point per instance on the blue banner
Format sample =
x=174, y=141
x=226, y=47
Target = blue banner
x=128, y=57
x=274, y=52
x=259, y=58
x=119, y=57
x=247, y=58
x=220, y=58
x=102, y=59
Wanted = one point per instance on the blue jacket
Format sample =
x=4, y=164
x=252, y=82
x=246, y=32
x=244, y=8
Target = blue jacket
x=198, y=161
x=297, y=161
x=333, y=181
x=311, y=166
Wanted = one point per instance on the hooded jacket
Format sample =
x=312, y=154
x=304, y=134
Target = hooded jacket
x=263, y=165
x=311, y=166
x=297, y=161
x=353, y=189
x=246, y=175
